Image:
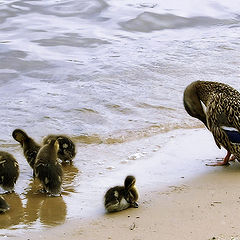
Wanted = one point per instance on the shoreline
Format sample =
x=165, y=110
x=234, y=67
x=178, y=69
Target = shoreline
x=178, y=193
x=206, y=207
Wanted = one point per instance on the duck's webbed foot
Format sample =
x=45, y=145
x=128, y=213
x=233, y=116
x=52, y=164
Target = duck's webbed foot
x=220, y=163
x=224, y=162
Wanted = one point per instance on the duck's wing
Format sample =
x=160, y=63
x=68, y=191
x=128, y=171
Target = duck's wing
x=233, y=135
x=223, y=118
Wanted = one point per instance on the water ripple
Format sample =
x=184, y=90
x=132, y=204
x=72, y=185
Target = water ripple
x=148, y=22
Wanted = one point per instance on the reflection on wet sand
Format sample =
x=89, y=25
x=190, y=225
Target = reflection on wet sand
x=16, y=213
x=69, y=174
x=34, y=202
x=53, y=211
x=50, y=211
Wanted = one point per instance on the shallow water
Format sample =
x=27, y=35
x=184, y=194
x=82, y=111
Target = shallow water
x=110, y=74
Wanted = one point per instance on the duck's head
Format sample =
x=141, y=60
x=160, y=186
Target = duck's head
x=131, y=193
x=54, y=143
x=129, y=182
x=48, y=138
x=193, y=104
x=66, y=148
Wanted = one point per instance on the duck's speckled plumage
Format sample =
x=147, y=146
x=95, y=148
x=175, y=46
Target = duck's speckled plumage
x=222, y=104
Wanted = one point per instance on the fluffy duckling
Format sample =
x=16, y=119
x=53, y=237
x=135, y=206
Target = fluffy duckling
x=9, y=171
x=67, y=150
x=122, y=197
x=3, y=205
x=29, y=146
x=47, y=169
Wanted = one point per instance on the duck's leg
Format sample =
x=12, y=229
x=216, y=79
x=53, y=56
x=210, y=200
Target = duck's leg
x=222, y=163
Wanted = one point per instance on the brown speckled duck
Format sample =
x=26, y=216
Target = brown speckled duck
x=67, y=149
x=9, y=171
x=122, y=197
x=221, y=114
x=47, y=169
x=29, y=146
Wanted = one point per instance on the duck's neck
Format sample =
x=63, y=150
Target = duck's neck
x=54, y=148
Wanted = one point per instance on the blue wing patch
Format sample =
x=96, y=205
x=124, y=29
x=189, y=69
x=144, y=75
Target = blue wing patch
x=234, y=136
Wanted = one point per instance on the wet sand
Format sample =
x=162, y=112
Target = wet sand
x=200, y=203
x=202, y=208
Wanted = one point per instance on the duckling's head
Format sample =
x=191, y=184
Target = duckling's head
x=66, y=150
x=48, y=138
x=19, y=135
x=131, y=194
x=129, y=182
x=48, y=151
x=54, y=143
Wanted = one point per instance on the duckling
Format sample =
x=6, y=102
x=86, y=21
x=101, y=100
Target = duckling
x=67, y=150
x=3, y=205
x=47, y=169
x=29, y=146
x=122, y=197
x=9, y=171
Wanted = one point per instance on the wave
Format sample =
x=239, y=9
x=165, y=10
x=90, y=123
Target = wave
x=71, y=41
x=132, y=135
x=148, y=22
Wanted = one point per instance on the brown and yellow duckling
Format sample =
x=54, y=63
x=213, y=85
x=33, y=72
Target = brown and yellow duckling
x=122, y=197
x=3, y=205
x=9, y=171
x=47, y=169
x=67, y=149
x=29, y=146
x=221, y=114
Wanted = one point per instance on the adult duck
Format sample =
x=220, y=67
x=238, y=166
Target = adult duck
x=217, y=105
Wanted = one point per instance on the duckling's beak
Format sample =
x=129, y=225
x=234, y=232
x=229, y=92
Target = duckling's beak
x=135, y=205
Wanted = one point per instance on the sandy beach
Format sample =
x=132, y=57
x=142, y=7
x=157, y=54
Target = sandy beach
x=111, y=75
x=206, y=207
x=201, y=207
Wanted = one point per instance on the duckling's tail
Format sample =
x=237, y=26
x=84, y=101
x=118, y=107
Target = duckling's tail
x=19, y=135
